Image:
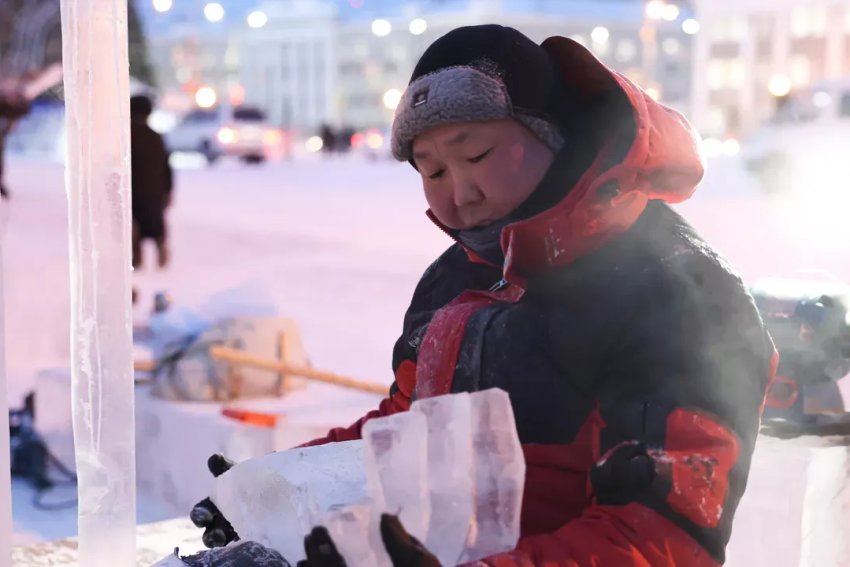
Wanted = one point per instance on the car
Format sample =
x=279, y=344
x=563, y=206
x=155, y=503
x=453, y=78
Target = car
x=242, y=132
x=372, y=143
x=806, y=143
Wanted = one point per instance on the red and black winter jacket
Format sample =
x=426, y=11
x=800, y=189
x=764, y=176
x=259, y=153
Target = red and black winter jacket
x=634, y=357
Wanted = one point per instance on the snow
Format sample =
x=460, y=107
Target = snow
x=338, y=245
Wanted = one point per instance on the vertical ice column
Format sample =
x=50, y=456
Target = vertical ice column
x=96, y=71
x=499, y=476
x=396, y=462
x=450, y=484
x=5, y=472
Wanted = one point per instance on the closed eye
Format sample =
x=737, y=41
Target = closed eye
x=437, y=174
x=480, y=157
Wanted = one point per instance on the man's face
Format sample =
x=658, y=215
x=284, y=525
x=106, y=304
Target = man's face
x=475, y=173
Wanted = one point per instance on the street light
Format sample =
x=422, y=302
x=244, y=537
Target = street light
x=418, y=26
x=600, y=34
x=391, y=99
x=779, y=85
x=257, y=19
x=671, y=12
x=162, y=5
x=655, y=9
x=205, y=97
x=381, y=27
x=214, y=12
x=690, y=26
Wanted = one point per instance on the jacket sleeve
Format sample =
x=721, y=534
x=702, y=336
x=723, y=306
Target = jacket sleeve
x=676, y=423
x=397, y=400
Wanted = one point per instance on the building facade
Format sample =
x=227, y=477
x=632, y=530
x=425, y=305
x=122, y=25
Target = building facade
x=319, y=62
x=750, y=52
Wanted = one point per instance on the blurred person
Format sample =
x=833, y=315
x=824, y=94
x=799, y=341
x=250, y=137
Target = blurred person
x=634, y=357
x=13, y=106
x=329, y=139
x=152, y=180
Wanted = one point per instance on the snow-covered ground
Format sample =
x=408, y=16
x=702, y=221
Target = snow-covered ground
x=338, y=245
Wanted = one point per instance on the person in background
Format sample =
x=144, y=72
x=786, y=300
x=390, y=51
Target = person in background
x=153, y=183
x=13, y=106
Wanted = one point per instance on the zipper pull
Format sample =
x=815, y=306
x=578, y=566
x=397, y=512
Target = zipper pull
x=499, y=286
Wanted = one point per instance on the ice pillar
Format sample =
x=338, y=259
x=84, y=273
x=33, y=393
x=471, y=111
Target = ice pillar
x=96, y=71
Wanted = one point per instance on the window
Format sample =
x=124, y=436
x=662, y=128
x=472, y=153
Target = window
x=808, y=22
x=248, y=114
x=801, y=70
x=728, y=29
x=200, y=117
x=726, y=73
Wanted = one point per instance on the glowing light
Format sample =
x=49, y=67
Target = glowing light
x=206, y=97
x=779, y=85
x=214, y=12
x=374, y=139
x=712, y=147
x=655, y=9
x=257, y=19
x=391, y=99
x=690, y=26
x=731, y=147
x=418, y=26
x=273, y=137
x=821, y=99
x=382, y=28
x=227, y=136
x=314, y=144
x=653, y=93
x=600, y=34
x=162, y=5
x=671, y=46
x=671, y=12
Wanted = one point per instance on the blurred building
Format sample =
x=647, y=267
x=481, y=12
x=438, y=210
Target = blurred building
x=345, y=62
x=750, y=53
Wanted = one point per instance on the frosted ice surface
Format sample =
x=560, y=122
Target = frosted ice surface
x=458, y=456
x=449, y=473
x=277, y=499
x=355, y=530
x=499, y=469
x=396, y=460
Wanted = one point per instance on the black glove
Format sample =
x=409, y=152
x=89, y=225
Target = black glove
x=217, y=530
x=404, y=550
x=242, y=554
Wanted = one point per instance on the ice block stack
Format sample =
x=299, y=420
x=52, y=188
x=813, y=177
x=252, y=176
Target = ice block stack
x=452, y=469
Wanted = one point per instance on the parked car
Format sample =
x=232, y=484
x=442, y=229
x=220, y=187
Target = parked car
x=806, y=143
x=242, y=132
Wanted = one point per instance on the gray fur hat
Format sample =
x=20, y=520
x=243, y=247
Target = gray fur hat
x=480, y=73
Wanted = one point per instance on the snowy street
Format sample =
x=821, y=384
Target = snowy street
x=337, y=245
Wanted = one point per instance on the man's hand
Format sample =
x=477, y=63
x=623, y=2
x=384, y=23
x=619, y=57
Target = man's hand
x=404, y=550
x=217, y=530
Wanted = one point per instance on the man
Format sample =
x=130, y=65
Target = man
x=634, y=357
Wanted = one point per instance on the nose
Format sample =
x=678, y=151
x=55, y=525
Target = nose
x=466, y=192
